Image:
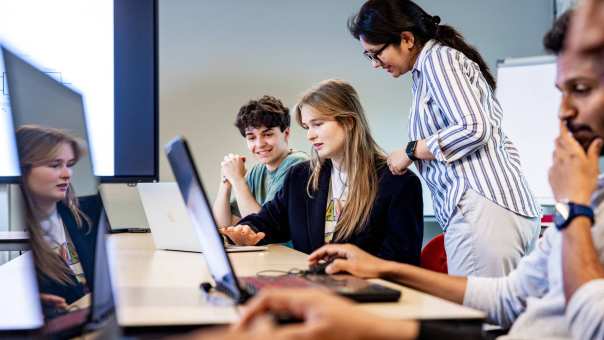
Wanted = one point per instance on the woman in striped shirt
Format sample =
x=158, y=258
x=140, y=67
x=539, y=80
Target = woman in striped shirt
x=481, y=199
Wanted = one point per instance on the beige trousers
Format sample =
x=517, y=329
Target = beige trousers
x=485, y=239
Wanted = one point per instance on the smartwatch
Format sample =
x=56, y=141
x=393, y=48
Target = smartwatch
x=410, y=150
x=566, y=211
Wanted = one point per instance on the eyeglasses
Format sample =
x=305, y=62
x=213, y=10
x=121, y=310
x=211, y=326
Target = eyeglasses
x=375, y=56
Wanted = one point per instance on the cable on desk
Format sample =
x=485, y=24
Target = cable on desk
x=278, y=273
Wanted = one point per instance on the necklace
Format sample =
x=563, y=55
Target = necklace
x=343, y=183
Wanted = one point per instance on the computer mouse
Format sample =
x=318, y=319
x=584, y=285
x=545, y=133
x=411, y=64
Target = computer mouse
x=319, y=267
x=285, y=318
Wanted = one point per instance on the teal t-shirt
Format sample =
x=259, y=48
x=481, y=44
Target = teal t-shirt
x=265, y=184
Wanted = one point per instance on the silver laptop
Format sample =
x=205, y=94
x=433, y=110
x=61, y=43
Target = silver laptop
x=169, y=220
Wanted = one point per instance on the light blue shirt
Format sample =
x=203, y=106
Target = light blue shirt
x=457, y=113
x=531, y=298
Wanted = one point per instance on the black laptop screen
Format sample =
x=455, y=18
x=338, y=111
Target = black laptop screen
x=201, y=216
x=63, y=210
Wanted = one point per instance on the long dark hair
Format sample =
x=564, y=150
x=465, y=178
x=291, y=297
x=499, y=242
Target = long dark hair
x=382, y=21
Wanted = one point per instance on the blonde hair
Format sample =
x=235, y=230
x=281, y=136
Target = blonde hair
x=38, y=146
x=338, y=100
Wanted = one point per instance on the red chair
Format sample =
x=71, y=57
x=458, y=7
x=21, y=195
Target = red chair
x=433, y=256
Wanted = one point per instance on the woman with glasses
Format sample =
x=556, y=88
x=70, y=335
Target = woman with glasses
x=481, y=198
x=345, y=193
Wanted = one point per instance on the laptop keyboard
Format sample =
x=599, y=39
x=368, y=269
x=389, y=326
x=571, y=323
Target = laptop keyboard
x=354, y=288
x=254, y=284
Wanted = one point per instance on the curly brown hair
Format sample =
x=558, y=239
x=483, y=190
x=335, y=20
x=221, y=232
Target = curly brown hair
x=267, y=111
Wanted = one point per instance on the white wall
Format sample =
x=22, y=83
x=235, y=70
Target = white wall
x=563, y=5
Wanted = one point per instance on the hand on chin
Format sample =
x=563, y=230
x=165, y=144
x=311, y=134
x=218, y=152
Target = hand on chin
x=585, y=138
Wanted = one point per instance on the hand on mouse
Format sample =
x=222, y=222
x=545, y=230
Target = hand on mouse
x=348, y=258
x=318, y=268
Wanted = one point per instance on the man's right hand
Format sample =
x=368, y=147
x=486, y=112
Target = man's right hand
x=242, y=235
x=349, y=258
x=232, y=168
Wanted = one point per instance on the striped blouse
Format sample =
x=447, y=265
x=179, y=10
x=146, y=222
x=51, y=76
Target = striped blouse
x=457, y=113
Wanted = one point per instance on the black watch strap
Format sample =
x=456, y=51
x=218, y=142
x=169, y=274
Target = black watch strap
x=568, y=211
x=410, y=150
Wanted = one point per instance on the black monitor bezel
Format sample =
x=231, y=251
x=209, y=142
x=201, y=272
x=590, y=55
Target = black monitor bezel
x=102, y=228
x=136, y=178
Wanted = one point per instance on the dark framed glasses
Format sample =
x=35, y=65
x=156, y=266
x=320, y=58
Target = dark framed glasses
x=375, y=56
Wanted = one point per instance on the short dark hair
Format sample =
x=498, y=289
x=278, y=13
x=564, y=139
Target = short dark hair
x=267, y=111
x=554, y=39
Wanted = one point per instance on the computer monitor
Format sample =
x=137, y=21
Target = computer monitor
x=81, y=277
x=108, y=51
x=37, y=98
x=200, y=212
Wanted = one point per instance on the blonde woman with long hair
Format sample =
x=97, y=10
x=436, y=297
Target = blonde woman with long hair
x=59, y=224
x=345, y=193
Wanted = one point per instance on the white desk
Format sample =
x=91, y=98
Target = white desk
x=156, y=287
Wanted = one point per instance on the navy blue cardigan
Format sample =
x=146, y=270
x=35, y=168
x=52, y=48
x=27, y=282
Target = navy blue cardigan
x=84, y=241
x=394, y=230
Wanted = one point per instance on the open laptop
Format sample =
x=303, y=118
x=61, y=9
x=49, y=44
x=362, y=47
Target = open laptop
x=169, y=221
x=58, y=106
x=240, y=289
x=20, y=309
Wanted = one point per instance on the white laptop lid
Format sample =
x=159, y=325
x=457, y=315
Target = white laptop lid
x=19, y=297
x=167, y=216
x=170, y=222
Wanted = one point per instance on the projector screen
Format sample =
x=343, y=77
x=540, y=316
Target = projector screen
x=527, y=93
x=106, y=50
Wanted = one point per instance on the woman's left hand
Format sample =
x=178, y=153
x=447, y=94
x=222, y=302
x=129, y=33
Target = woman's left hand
x=398, y=162
x=242, y=235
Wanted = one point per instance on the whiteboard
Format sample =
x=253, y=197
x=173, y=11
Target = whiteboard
x=529, y=99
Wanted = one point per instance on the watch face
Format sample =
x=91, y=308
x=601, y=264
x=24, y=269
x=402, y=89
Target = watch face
x=562, y=209
x=559, y=220
x=561, y=215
